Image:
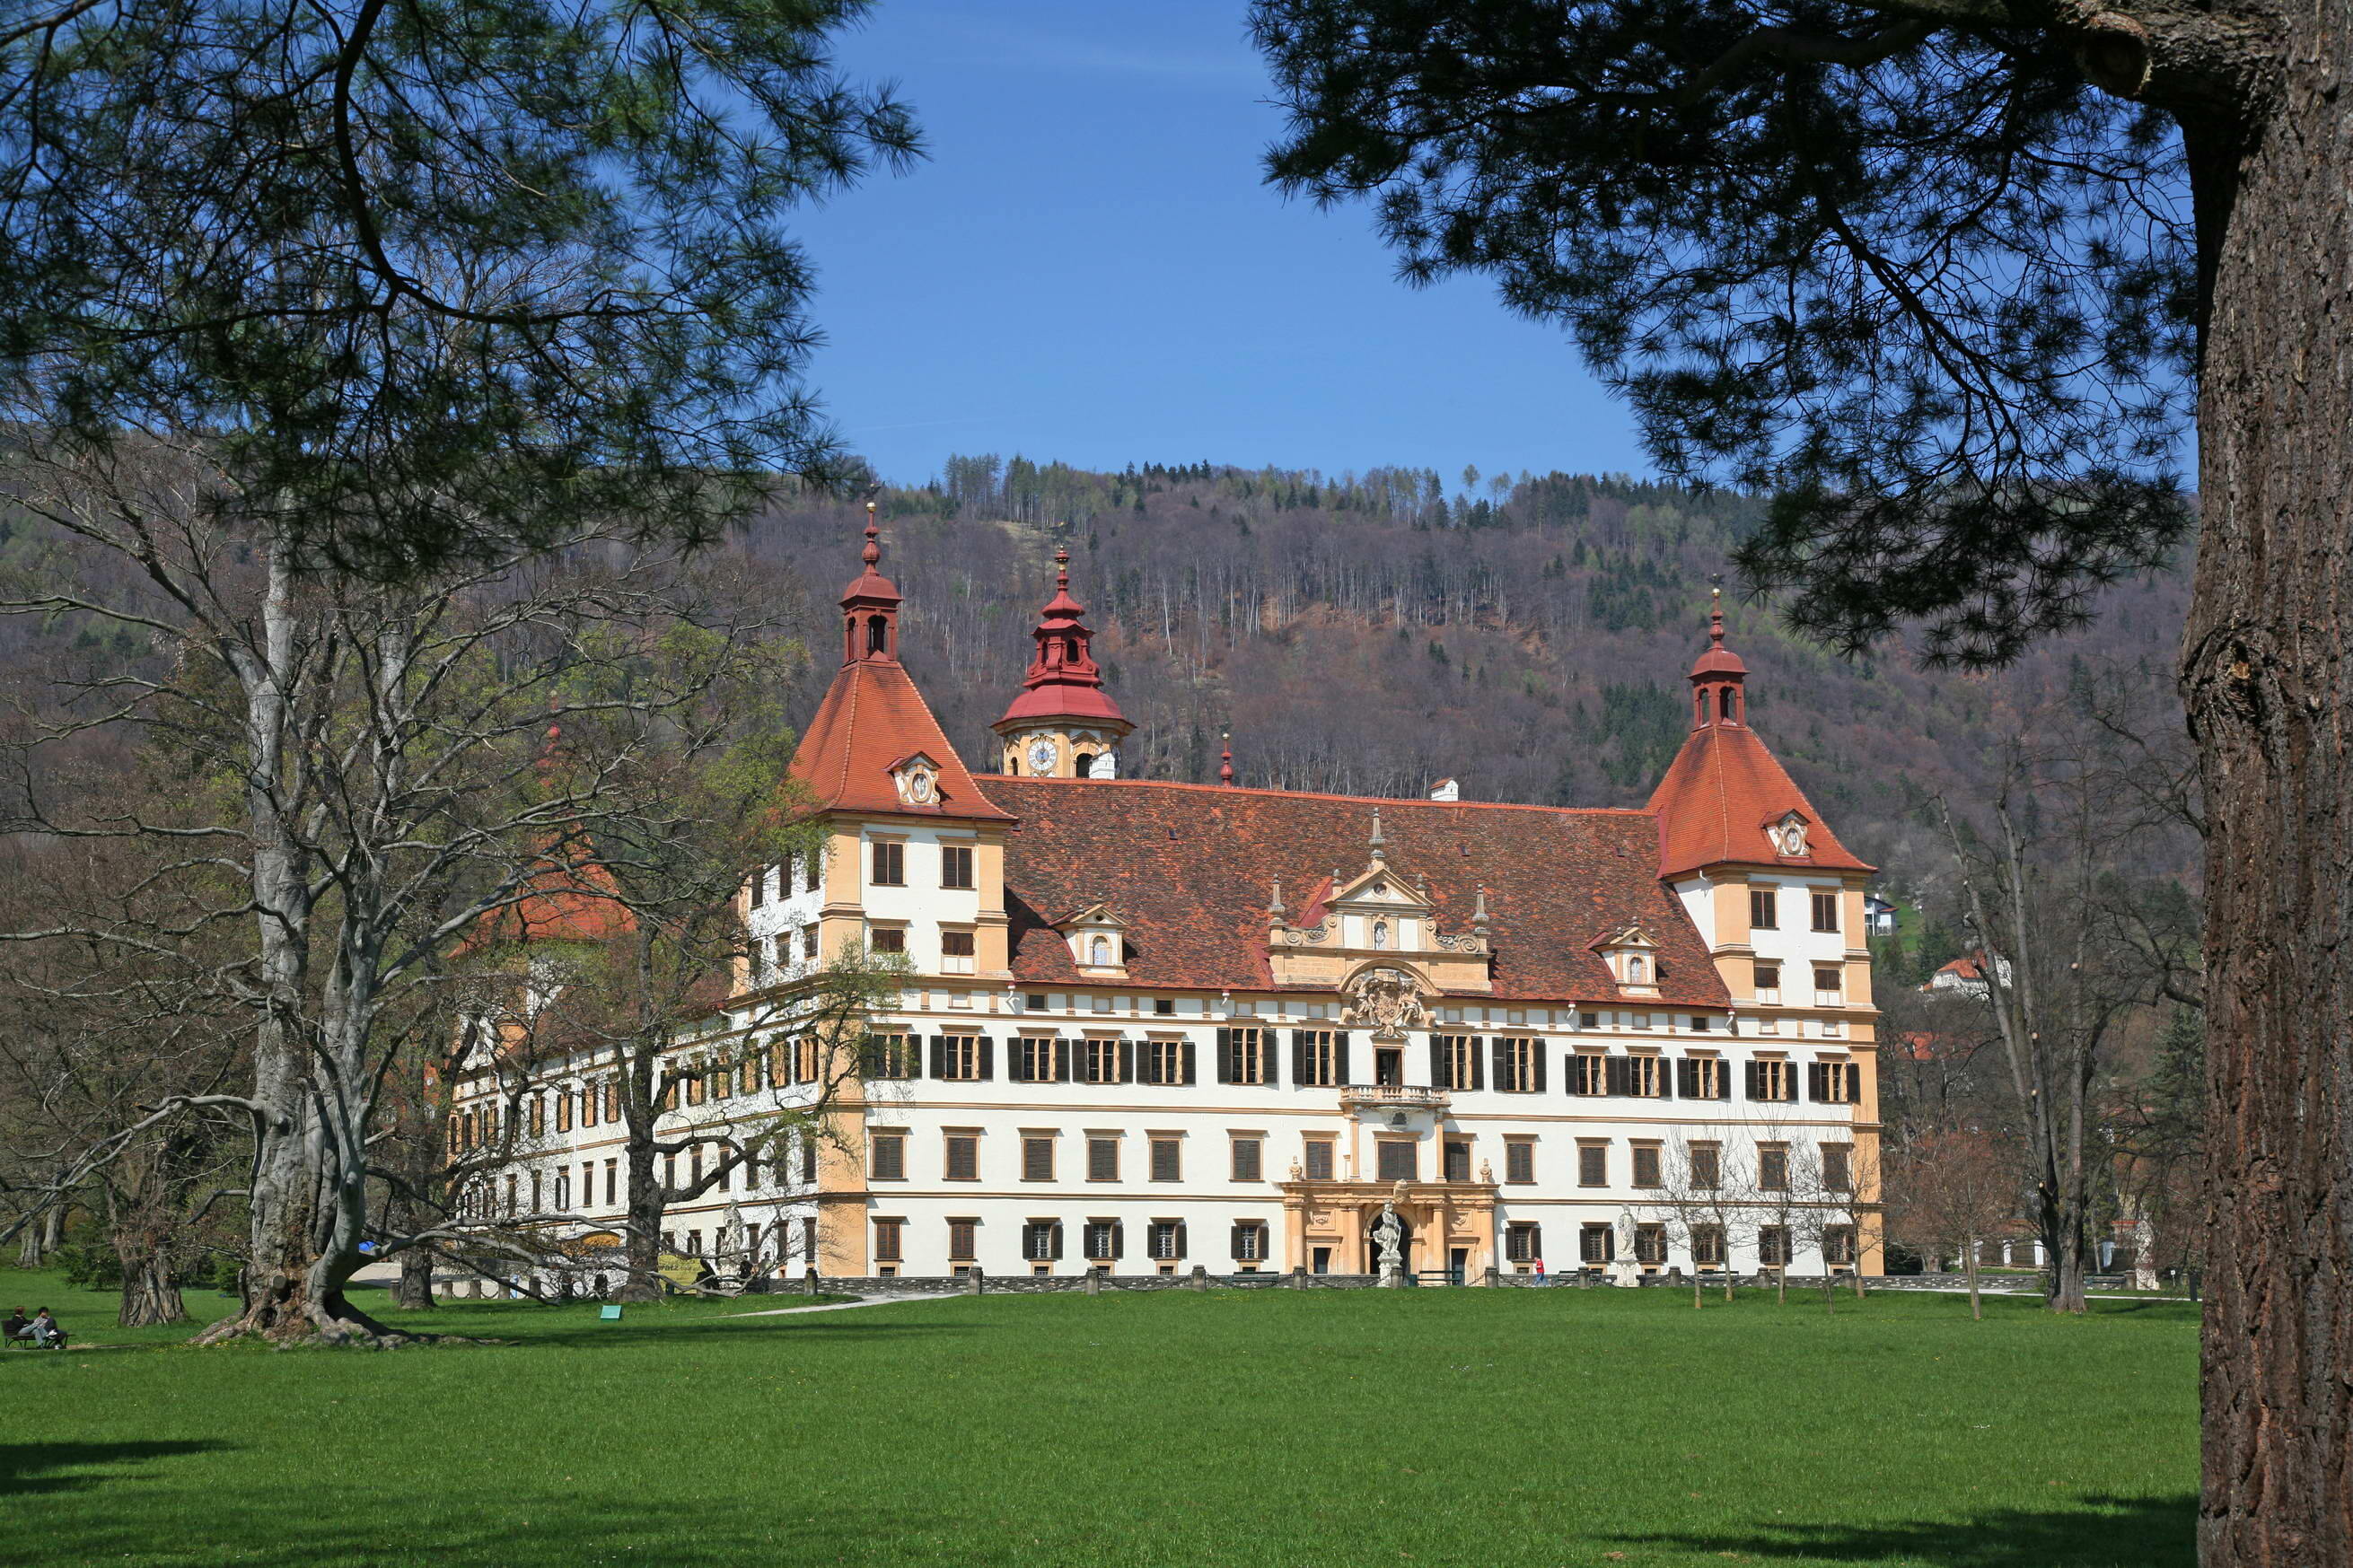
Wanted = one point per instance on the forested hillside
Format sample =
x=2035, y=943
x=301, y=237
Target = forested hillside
x=1374, y=634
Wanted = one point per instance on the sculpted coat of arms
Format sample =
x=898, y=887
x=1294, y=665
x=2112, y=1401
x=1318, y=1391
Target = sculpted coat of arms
x=1387, y=1001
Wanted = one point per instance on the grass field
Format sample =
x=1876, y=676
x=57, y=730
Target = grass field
x=1279, y=1427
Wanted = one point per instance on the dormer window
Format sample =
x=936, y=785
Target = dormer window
x=1098, y=942
x=1099, y=952
x=1632, y=958
x=1638, y=969
x=917, y=779
x=1789, y=836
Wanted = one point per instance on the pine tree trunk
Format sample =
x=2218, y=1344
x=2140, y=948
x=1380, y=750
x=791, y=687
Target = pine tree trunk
x=2265, y=680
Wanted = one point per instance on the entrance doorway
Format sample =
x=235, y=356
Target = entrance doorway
x=1457, y=1266
x=1322, y=1261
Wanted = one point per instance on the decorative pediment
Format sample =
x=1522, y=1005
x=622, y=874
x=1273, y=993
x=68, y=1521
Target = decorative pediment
x=1378, y=887
x=1631, y=954
x=917, y=779
x=1788, y=832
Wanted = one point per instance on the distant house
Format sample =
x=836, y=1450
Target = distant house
x=1878, y=915
x=1967, y=975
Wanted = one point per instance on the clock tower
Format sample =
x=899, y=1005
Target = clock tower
x=1063, y=724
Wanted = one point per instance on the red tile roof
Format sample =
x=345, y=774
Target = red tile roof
x=1188, y=867
x=566, y=899
x=873, y=717
x=1722, y=791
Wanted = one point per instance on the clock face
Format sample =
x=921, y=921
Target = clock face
x=1041, y=755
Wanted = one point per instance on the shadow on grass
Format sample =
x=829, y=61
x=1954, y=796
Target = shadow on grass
x=2098, y=1532
x=679, y=1333
x=64, y=1466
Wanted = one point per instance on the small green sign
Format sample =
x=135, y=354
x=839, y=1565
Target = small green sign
x=610, y=1314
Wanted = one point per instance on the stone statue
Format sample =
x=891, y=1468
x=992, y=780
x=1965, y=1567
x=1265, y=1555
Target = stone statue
x=1388, y=1234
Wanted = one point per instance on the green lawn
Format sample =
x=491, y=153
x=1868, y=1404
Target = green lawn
x=1275, y=1427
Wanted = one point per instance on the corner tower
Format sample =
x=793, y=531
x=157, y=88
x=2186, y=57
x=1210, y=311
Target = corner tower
x=1063, y=724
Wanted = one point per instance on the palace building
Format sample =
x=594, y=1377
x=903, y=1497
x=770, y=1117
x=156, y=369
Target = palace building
x=1152, y=1026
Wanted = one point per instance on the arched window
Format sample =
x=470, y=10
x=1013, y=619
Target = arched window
x=873, y=634
x=1082, y=763
x=1635, y=969
x=1099, y=952
x=1723, y=703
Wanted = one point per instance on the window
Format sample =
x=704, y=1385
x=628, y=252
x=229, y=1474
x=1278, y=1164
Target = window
x=1589, y=1073
x=1398, y=1160
x=1519, y=1064
x=1101, y=1239
x=1826, y=912
x=1596, y=1244
x=1646, y=1077
x=955, y=866
x=590, y=1094
x=1167, y=1240
x=1707, y=1245
x=1102, y=1159
x=1773, y=1167
x=1838, y=1168
x=1037, y=1158
x=612, y=1182
x=962, y=1158
x=723, y=1082
x=1592, y=1164
x=888, y=1056
x=1829, y=982
x=1703, y=1077
x=1245, y=1055
x=1168, y=1160
x=1041, y=1241
x=1769, y=983
x=1650, y=1244
x=1771, y=1079
x=1249, y=1242
x=1764, y=911
x=805, y=1054
x=1837, y=1246
x=1457, y=1159
x=808, y=942
x=1318, y=1161
x=809, y=1158
x=960, y=1059
x=1522, y=1242
x=759, y=887
x=1519, y=1159
x=1164, y=1006
x=697, y=1082
x=963, y=1235
x=1588, y=1020
x=563, y=1188
x=1638, y=970
x=1832, y=1083
x=955, y=952
x=1773, y=1246
x=890, y=865
x=1249, y=1160
x=1099, y=952
x=887, y=938
x=1167, y=1061
x=1315, y=1057
x=1038, y=1058
x=1105, y=1060
x=1646, y=1165
x=1456, y=1059
x=887, y=1240
x=1706, y=1165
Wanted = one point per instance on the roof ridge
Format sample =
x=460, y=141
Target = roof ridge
x=1383, y=800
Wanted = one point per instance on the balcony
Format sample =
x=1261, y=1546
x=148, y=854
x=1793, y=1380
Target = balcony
x=1392, y=1097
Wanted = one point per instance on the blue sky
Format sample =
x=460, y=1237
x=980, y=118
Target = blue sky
x=1089, y=267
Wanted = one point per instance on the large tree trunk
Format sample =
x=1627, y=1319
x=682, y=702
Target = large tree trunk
x=642, y=1242
x=412, y=1291
x=150, y=1295
x=2265, y=680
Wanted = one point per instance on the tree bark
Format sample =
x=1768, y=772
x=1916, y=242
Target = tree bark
x=150, y=1294
x=2264, y=679
x=414, y=1290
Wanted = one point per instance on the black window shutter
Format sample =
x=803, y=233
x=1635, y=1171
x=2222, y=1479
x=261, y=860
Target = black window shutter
x=1437, y=1062
x=1062, y=1073
x=1147, y=1063
x=1118, y=1239
x=939, y=1056
x=1055, y=1251
x=1234, y=1247
x=1536, y=1242
x=988, y=1057
x=1818, y=1089
x=1188, y=1063
x=1340, y=1057
x=1754, y=1078
x=1668, y=1072
x=1298, y=1056
x=1180, y=1238
x=1226, y=1073
x=1617, y=1075
x=1266, y=1054
x=1126, y=1064
x=1017, y=1063
x=1536, y=1061
x=1503, y=1062
x=1478, y=1063
x=1687, y=1077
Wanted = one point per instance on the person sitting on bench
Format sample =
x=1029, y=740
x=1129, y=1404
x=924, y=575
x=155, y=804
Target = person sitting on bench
x=18, y=1326
x=45, y=1332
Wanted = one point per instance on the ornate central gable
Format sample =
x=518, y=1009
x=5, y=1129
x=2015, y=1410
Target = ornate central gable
x=1383, y=914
